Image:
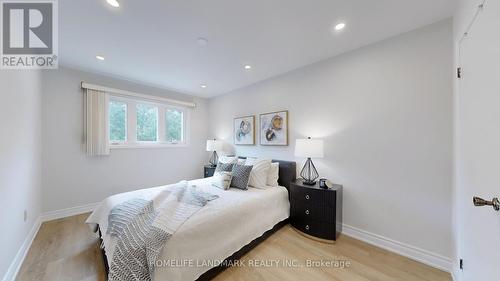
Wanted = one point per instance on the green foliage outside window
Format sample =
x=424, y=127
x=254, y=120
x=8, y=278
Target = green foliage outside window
x=147, y=122
x=117, y=121
x=174, y=125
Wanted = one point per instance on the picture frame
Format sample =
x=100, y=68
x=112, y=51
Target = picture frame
x=273, y=128
x=244, y=130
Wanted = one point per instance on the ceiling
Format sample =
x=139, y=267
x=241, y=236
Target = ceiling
x=154, y=42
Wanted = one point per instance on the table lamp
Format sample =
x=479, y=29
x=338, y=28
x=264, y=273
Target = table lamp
x=309, y=148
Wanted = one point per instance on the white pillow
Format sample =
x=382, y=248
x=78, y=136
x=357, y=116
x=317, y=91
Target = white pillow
x=260, y=169
x=222, y=180
x=273, y=175
x=228, y=159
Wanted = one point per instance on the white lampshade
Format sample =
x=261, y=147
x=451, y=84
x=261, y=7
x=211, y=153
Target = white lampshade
x=309, y=148
x=214, y=145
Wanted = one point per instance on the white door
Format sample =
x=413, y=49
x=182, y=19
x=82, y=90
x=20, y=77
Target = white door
x=479, y=146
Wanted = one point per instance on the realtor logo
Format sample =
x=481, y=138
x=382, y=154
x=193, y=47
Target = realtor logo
x=29, y=34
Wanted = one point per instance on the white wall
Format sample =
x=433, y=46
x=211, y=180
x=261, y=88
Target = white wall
x=20, y=154
x=385, y=113
x=477, y=138
x=70, y=178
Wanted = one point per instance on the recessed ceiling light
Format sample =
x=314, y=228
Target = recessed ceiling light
x=202, y=41
x=113, y=3
x=99, y=57
x=340, y=26
x=203, y=86
x=248, y=67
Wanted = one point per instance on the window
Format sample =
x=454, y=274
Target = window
x=147, y=122
x=117, y=122
x=174, y=125
x=134, y=122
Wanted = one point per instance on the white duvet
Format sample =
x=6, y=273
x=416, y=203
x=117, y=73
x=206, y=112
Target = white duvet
x=214, y=233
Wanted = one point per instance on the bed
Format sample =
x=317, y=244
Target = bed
x=222, y=231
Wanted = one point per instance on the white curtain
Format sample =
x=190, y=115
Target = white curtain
x=96, y=116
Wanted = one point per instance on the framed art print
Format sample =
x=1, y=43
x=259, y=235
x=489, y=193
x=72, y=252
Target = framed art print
x=274, y=128
x=244, y=130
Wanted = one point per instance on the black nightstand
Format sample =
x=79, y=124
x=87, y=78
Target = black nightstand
x=208, y=171
x=315, y=211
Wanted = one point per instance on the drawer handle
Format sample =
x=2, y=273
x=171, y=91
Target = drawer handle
x=307, y=227
x=307, y=196
x=307, y=212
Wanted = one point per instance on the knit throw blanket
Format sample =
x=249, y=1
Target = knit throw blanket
x=142, y=227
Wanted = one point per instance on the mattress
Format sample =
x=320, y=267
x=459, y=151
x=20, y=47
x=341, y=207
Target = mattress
x=218, y=230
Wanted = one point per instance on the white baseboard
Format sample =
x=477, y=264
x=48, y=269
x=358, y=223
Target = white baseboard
x=412, y=252
x=47, y=216
x=23, y=251
x=59, y=214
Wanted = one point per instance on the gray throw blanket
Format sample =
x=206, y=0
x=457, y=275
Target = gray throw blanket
x=142, y=227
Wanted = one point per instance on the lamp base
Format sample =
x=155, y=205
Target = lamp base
x=214, y=158
x=309, y=173
x=306, y=182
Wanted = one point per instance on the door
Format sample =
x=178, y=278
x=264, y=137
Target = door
x=478, y=143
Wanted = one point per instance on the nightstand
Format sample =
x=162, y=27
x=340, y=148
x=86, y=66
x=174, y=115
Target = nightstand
x=316, y=212
x=208, y=171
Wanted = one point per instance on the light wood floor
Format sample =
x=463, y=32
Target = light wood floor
x=66, y=249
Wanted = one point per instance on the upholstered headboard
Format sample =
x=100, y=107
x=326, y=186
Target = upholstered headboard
x=287, y=173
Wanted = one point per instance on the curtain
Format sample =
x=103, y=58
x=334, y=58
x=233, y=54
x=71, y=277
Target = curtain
x=96, y=125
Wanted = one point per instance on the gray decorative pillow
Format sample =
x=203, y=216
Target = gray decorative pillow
x=241, y=175
x=224, y=167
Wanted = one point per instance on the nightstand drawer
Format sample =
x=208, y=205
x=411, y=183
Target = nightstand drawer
x=314, y=196
x=315, y=228
x=310, y=211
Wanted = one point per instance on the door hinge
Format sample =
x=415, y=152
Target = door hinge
x=459, y=72
x=461, y=264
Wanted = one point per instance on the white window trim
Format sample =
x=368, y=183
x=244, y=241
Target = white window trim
x=131, y=126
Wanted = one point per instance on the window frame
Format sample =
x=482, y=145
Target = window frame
x=131, y=124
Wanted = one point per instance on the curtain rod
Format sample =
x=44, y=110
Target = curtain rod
x=136, y=95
